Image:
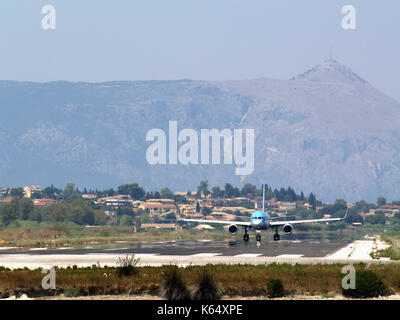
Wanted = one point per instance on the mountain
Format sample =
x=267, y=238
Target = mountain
x=326, y=130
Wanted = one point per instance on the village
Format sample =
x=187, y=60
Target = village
x=162, y=210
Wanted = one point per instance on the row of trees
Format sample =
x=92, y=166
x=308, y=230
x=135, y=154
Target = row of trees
x=249, y=189
x=77, y=211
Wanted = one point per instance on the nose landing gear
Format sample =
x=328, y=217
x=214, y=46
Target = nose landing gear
x=276, y=235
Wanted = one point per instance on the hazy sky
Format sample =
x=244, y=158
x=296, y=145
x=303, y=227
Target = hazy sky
x=98, y=40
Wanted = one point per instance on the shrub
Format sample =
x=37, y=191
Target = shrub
x=275, y=288
x=205, y=288
x=127, y=266
x=368, y=285
x=173, y=286
x=71, y=292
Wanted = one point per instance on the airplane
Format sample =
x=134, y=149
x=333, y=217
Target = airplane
x=260, y=220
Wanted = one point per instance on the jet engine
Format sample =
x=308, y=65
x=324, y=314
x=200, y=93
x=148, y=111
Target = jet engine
x=288, y=228
x=233, y=229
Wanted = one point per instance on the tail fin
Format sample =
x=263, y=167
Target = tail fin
x=263, y=204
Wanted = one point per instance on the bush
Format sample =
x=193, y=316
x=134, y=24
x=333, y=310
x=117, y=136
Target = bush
x=205, y=288
x=127, y=266
x=71, y=292
x=275, y=288
x=368, y=285
x=173, y=286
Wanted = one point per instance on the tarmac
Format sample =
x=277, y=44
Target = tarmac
x=186, y=253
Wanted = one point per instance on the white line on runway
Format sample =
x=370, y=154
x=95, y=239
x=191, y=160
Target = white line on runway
x=206, y=254
x=136, y=254
x=290, y=256
x=248, y=255
x=37, y=249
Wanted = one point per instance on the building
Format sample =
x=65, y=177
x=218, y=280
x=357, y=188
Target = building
x=89, y=196
x=116, y=201
x=4, y=192
x=157, y=208
x=388, y=210
x=6, y=200
x=164, y=226
x=204, y=227
x=31, y=191
x=43, y=202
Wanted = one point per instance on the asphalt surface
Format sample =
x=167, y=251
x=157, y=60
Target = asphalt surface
x=185, y=248
x=185, y=253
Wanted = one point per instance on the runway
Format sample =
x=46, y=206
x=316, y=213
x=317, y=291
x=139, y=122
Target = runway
x=186, y=253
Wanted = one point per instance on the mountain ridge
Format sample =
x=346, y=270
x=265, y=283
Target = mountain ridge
x=321, y=132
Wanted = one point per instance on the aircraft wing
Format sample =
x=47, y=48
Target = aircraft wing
x=238, y=223
x=281, y=223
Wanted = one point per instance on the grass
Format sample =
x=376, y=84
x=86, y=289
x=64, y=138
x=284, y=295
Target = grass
x=231, y=280
x=393, y=252
x=60, y=235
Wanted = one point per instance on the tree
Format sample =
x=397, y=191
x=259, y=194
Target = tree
x=17, y=192
x=217, y=192
x=166, y=193
x=57, y=212
x=197, y=206
x=80, y=212
x=134, y=190
x=70, y=193
x=206, y=210
x=100, y=218
x=126, y=220
x=312, y=200
x=203, y=188
x=24, y=206
x=249, y=189
x=228, y=190
x=8, y=214
x=378, y=218
x=51, y=192
x=381, y=201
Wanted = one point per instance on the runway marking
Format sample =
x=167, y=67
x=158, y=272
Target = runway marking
x=248, y=255
x=37, y=249
x=211, y=254
x=110, y=254
x=290, y=256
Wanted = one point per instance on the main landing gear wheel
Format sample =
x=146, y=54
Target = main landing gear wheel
x=245, y=236
x=258, y=238
x=277, y=237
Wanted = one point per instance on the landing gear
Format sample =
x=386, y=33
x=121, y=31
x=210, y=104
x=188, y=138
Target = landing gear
x=245, y=236
x=258, y=238
x=276, y=235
